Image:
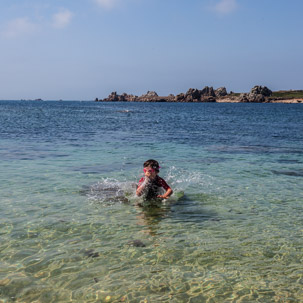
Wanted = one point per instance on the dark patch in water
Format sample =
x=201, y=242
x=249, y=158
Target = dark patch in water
x=255, y=149
x=212, y=160
x=215, y=219
x=60, y=155
x=298, y=173
x=90, y=253
x=207, y=160
x=136, y=243
x=286, y=161
x=237, y=212
x=85, y=190
x=94, y=169
x=29, y=155
x=191, y=211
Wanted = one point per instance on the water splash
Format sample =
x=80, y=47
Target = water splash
x=182, y=180
x=111, y=191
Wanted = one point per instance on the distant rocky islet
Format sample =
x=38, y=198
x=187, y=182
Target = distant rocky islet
x=258, y=94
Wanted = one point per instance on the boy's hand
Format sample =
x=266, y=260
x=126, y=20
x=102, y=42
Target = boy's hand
x=146, y=181
x=162, y=197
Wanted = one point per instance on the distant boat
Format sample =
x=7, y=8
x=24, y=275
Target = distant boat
x=38, y=99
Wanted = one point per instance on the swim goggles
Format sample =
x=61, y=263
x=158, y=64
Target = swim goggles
x=150, y=170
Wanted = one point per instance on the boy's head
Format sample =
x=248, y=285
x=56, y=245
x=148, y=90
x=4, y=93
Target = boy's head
x=151, y=168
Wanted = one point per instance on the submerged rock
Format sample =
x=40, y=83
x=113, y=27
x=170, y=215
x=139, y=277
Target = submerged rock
x=136, y=243
x=90, y=253
x=298, y=173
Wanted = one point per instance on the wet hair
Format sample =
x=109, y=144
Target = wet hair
x=153, y=164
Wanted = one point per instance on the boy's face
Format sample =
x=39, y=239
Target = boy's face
x=150, y=172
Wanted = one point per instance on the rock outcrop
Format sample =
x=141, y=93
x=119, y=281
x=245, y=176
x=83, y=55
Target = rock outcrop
x=124, y=97
x=251, y=98
x=221, y=92
x=257, y=94
x=207, y=94
x=261, y=90
x=150, y=96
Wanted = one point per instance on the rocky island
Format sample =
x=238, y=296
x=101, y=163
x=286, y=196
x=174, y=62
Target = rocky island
x=258, y=94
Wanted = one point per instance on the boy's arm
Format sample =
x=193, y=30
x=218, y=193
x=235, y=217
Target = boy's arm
x=141, y=186
x=139, y=190
x=168, y=193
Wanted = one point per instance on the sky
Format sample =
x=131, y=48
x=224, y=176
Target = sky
x=85, y=49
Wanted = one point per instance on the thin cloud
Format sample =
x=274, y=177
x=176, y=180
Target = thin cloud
x=108, y=4
x=225, y=7
x=62, y=18
x=19, y=27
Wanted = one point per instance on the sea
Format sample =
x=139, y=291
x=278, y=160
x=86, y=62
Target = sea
x=73, y=230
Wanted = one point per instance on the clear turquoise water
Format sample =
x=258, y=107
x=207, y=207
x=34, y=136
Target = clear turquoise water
x=232, y=232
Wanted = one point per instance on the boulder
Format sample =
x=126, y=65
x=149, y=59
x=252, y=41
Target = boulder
x=256, y=97
x=170, y=98
x=150, y=94
x=220, y=92
x=207, y=94
x=193, y=93
x=188, y=98
x=243, y=98
x=208, y=99
x=124, y=97
x=257, y=94
x=251, y=97
x=261, y=90
x=180, y=98
x=112, y=97
x=132, y=98
x=208, y=91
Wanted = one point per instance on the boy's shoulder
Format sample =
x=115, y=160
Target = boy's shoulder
x=161, y=182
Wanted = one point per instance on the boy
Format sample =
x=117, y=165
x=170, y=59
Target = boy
x=150, y=184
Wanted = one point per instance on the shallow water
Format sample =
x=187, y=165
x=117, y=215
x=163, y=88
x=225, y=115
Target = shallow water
x=232, y=232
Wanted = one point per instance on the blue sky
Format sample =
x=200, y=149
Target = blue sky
x=83, y=49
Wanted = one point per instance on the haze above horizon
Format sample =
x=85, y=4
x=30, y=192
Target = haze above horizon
x=81, y=50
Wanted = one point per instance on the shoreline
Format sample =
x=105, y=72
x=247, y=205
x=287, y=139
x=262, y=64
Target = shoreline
x=219, y=100
x=258, y=94
x=285, y=101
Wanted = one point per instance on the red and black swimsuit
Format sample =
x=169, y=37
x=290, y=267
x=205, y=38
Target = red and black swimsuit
x=152, y=188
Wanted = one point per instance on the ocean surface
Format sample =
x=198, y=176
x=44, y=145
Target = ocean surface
x=71, y=230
